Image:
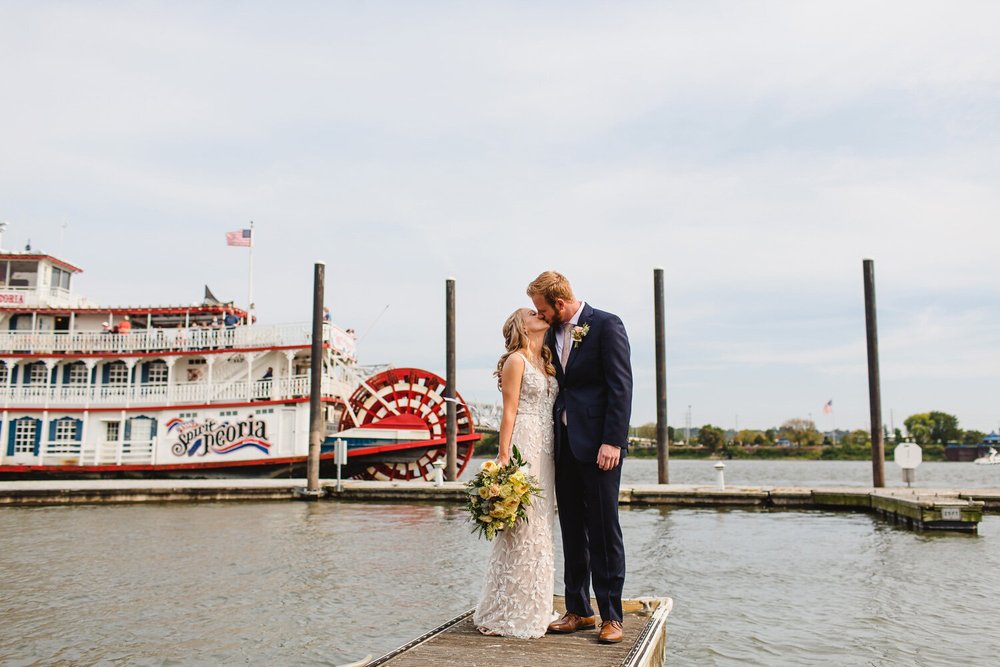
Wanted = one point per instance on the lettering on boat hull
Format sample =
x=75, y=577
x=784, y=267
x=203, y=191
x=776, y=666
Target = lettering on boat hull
x=196, y=438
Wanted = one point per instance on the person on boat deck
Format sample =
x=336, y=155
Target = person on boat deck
x=125, y=326
x=105, y=328
x=230, y=319
x=266, y=388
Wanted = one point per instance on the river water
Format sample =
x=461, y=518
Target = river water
x=321, y=584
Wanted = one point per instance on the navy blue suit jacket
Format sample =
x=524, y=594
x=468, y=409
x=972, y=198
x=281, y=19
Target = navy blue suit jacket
x=595, y=388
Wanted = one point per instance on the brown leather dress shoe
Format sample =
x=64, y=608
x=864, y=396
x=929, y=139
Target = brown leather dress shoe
x=611, y=632
x=571, y=622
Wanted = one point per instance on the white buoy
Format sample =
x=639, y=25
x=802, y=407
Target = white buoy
x=720, y=474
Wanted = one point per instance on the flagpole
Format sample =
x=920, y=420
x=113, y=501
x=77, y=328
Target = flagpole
x=250, y=280
x=833, y=420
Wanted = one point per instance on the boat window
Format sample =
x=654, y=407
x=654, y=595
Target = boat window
x=157, y=372
x=39, y=374
x=78, y=373
x=23, y=274
x=24, y=435
x=66, y=429
x=60, y=280
x=118, y=373
x=142, y=429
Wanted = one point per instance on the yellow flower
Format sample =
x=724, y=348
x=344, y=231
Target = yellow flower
x=484, y=492
x=489, y=466
x=499, y=512
x=494, y=489
x=506, y=490
x=485, y=518
x=518, y=477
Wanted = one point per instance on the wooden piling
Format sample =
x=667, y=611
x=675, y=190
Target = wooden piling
x=316, y=382
x=662, y=440
x=451, y=426
x=874, y=388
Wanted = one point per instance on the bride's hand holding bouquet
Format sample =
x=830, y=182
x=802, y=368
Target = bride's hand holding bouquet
x=499, y=495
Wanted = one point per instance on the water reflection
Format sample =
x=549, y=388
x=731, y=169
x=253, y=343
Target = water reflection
x=324, y=583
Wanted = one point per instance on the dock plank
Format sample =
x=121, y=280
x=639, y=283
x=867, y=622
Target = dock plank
x=458, y=643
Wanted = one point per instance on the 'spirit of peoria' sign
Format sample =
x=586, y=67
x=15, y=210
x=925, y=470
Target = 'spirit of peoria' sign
x=201, y=438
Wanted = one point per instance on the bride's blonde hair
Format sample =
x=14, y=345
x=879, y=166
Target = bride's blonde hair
x=515, y=337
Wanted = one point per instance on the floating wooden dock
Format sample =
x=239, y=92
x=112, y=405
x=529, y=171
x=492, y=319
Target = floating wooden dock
x=457, y=643
x=923, y=509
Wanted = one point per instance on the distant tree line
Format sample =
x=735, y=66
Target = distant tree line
x=931, y=430
x=795, y=437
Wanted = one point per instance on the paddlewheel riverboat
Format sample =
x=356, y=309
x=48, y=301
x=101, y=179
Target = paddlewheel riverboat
x=194, y=391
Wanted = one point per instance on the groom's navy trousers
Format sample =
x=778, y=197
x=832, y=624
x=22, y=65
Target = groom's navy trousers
x=595, y=399
x=593, y=549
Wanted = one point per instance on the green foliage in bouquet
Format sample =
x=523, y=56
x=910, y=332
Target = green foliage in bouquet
x=499, y=495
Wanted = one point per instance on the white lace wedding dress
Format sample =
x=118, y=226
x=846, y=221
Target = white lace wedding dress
x=517, y=595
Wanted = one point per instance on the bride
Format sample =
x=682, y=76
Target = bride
x=516, y=600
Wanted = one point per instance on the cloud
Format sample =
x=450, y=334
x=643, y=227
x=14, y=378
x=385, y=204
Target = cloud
x=756, y=152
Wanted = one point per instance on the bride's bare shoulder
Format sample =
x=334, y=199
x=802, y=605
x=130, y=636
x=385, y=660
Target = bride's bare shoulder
x=514, y=361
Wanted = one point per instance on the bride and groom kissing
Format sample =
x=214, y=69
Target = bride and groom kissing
x=566, y=380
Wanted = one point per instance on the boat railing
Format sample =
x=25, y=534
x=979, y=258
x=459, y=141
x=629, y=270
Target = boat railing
x=170, y=340
x=118, y=452
x=159, y=394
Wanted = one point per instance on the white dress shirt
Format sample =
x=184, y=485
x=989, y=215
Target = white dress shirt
x=562, y=336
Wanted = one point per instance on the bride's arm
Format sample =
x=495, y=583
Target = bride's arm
x=510, y=381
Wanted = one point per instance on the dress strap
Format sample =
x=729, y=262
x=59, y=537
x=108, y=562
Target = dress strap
x=526, y=361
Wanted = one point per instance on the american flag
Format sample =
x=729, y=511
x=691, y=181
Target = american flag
x=241, y=237
x=828, y=408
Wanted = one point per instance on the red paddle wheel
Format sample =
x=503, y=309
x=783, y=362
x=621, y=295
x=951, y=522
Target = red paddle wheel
x=409, y=398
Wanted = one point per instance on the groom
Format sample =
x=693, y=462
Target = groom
x=591, y=415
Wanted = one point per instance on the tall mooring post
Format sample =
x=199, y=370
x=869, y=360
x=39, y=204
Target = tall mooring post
x=662, y=440
x=874, y=390
x=316, y=381
x=451, y=430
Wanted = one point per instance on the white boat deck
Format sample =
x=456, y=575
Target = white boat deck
x=140, y=341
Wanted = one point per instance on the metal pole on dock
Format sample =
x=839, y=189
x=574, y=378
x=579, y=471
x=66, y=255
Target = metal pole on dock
x=451, y=432
x=874, y=390
x=662, y=441
x=316, y=381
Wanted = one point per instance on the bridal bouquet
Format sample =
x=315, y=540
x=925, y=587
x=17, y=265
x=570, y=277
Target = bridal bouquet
x=498, y=495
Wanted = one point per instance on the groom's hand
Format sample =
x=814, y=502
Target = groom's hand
x=608, y=457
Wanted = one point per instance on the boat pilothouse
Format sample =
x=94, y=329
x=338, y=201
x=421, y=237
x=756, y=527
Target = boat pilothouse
x=194, y=390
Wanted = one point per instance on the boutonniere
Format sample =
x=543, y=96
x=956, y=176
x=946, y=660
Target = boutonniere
x=578, y=333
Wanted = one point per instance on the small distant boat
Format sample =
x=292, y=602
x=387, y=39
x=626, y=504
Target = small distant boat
x=991, y=459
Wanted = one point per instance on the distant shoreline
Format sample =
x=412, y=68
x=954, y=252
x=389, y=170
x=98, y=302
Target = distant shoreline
x=488, y=447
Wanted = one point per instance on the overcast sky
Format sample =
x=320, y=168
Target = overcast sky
x=756, y=151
